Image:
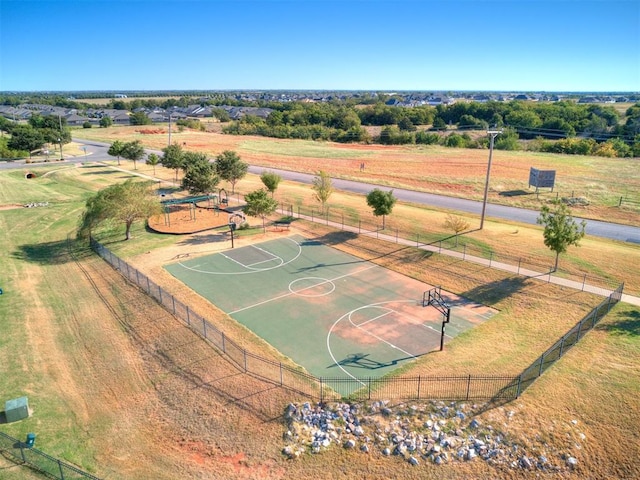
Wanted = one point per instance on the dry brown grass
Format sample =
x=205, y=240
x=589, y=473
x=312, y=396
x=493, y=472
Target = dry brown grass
x=448, y=171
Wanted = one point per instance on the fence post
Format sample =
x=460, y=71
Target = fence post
x=173, y=302
x=61, y=472
x=204, y=327
x=321, y=390
x=541, y=364
x=160, y=295
x=224, y=347
x=490, y=257
x=148, y=285
x=620, y=202
x=419, y=379
x=342, y=214
x=519, y=259
x=561, y=347
x=281, y=382
x=468, y=387
x=22, y=453
x=244, y=353
x=188, y=316
x=519, y=386
x=369, y=393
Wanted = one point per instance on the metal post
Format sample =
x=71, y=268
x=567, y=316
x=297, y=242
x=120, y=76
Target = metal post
x=492, y=134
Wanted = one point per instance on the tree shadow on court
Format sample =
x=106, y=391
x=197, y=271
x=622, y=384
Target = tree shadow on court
x=336, y=238
x=47, y=253
x=494, y=292
x=629, y=326
x=219, y=236
x=362, y=360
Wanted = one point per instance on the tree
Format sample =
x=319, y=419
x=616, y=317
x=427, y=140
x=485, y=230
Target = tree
x=231, y=168
x=116, y=149
x=200, y=174
x=560, y=229
x=173, y=158
x=105, y=122
x=381, y=202
x=456, y=224
x=271, y=181
x=133, y=151
x=153, y=160
x=25, y=137
x=139, y=118
x=322, y=188
x=120, y=203
x=259, y=204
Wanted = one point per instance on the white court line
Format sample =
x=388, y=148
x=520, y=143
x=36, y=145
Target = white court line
x=247, y=270
x=292, y=293
x=333, y=357
x=372, y=319
x=376, y=336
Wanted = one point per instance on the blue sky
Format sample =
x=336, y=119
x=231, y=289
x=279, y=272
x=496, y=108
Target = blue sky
x=433, y=45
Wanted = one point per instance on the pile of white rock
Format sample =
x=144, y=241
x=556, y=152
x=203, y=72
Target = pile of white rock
x=434, y=432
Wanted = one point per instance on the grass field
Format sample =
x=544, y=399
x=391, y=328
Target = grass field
x=601, y=182
x=120, y=388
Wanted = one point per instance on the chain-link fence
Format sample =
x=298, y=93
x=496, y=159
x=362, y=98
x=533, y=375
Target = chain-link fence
x=419, y=237
x=465, y=387
x=19, y=452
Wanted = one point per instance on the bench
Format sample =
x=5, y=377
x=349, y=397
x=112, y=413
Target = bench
x=282, y=225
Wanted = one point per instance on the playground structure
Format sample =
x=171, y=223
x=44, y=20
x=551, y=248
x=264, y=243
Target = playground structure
x=193, y=214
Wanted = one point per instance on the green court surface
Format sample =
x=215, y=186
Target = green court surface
x=334, y=314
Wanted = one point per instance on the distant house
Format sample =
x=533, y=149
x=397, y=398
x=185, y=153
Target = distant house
x=75, y=120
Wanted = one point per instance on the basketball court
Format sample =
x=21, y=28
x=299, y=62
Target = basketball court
x=336, y=315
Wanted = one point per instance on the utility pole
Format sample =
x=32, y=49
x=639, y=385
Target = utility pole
x=169, y=144
x=493, y=134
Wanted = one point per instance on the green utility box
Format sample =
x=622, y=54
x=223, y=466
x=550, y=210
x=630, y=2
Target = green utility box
x=16, y=409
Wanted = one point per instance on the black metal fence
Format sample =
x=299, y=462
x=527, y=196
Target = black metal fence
x=464, y=387
x=54, y=468
x=529, y=266
x=568, y=340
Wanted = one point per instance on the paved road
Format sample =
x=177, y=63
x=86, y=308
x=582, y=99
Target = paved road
x=97, y=151
x=613, y=231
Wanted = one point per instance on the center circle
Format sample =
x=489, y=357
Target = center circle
x=311, y=287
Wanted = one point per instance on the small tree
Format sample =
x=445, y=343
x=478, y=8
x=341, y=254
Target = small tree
x=381, y=202
x=105, y=122
x=322, y=188
x=259, y=204
x=173, y=158
x=199, y=174
x=560, y=229
x=153, y=160
x=116, y=149
x=456, y=224
x=133, y=151
x=122, y=203
x=271, y=181
x=231, y=168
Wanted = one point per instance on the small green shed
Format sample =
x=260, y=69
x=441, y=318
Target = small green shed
x=16, y=409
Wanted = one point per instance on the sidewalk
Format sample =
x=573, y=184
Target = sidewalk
x=547, y=277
